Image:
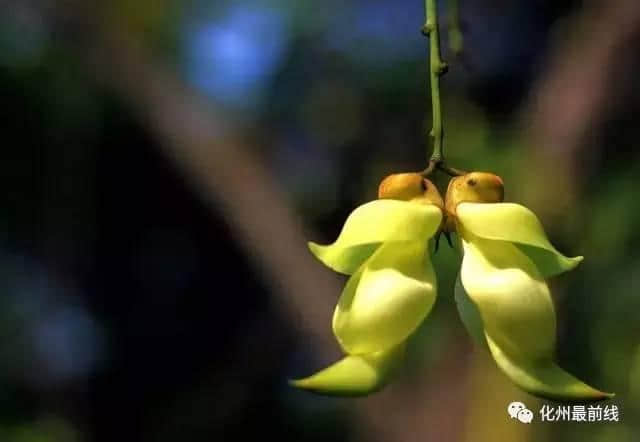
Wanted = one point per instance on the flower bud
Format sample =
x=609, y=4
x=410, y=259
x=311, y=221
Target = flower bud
x=410, y=187
x=475, y=187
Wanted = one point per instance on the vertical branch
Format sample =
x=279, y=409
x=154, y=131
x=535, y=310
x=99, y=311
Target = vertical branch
x=436, y=69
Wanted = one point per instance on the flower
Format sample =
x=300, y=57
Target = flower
x=501, y=292
x=392, y=288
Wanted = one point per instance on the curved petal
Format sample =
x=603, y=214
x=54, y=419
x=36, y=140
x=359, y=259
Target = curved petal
x=544, y=378
x=355, y=375
x=515, y=223
x=469, y=314
x=343, y=259
x=386, y=299
x=518, y=318
x=513, y=300
x=374, y=223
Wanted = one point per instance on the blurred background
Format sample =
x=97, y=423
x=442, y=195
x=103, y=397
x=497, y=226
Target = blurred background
x=164, y=163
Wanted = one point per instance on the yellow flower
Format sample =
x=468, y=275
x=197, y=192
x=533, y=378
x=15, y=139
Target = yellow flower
x=501, y=293
x=384, y=247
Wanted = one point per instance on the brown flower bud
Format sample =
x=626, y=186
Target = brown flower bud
x=410, y=187
x=476, y=187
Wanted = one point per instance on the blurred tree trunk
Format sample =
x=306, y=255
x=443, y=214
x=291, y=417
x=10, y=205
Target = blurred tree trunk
x=586, y=76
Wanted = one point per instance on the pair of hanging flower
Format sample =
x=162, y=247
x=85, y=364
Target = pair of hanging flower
x=501, y=293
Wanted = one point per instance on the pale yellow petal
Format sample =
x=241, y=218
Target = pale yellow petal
x=373, y=223
x=518, y=317
x=517, y=224
x=355, y=375
x=387, y=299
x=544, y=378
x=513, y=299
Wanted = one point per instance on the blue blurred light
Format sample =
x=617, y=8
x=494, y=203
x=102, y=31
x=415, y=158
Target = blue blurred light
x=68, y=342
x=231, y=59
x=379, y=31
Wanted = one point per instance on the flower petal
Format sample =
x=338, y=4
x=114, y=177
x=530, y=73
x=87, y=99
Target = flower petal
x=386, y=299
x=355, y=375
x=513, y=300
x=374, y=223
x=343, y=259
x=515, y=223
x=469, y=314
x=518, y=318
x=544, y=378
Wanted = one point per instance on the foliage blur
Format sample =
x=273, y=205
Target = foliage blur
x=130, y=308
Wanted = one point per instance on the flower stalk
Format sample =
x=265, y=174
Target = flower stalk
x=437, y=68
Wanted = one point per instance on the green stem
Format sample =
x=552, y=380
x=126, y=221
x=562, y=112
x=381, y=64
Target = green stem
x=436, y=69
x=456, y=39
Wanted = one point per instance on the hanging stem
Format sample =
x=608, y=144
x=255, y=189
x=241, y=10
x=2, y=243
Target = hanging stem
x=437, y=68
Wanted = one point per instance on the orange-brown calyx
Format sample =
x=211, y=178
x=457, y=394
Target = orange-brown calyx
x=476, y=187
x=410, y=187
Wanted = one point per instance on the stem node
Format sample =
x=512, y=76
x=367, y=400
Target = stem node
x=437, y=69
x=442, y=69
